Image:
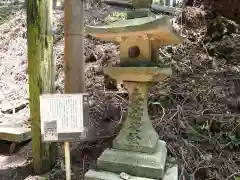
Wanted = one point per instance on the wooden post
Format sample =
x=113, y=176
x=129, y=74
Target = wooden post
x=74, y=42
x=67, y=160
x=73, y=56
x=41, y=76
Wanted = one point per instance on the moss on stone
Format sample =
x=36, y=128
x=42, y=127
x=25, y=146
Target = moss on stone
x=135, y=115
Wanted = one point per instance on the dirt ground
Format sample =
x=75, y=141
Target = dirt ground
x=197, y=112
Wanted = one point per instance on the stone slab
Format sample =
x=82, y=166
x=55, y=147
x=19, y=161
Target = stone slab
x=104, y=175
x=158, y=29
x=170, y=174
x=135, y=163
x=15, y=120
x=11, y=161
x=15, y=134
x=129, y=14
x=138, y=74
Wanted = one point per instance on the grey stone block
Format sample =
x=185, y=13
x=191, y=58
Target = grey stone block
x=135, y=163
x=104, y=175
x=171, y=174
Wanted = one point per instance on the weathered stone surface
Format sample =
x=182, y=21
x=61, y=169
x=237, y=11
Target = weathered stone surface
x=128, y=14
x=15, y=134
x=138, y=74
x=135, y=163
x=170, y=174
x=142, y=54
x=104, y=175
x=141, y=3
x=130, y=3
x=133, y=136
x=158, y=29
x=14, y=166
x=11, y=161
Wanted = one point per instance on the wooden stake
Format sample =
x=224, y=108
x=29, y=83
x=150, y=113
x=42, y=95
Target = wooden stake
x=73, y=57
x=41, y=77
x=67, y=160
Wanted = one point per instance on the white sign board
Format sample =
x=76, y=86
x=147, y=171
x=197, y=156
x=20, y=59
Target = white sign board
x=61, y=114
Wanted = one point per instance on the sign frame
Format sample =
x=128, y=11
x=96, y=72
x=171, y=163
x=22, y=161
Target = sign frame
x=63, y=108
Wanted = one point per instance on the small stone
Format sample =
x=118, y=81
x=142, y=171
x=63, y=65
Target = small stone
x=125, y=176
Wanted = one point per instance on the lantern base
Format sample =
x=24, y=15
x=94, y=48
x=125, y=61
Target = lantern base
x=116, y=164
x=150, y=165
